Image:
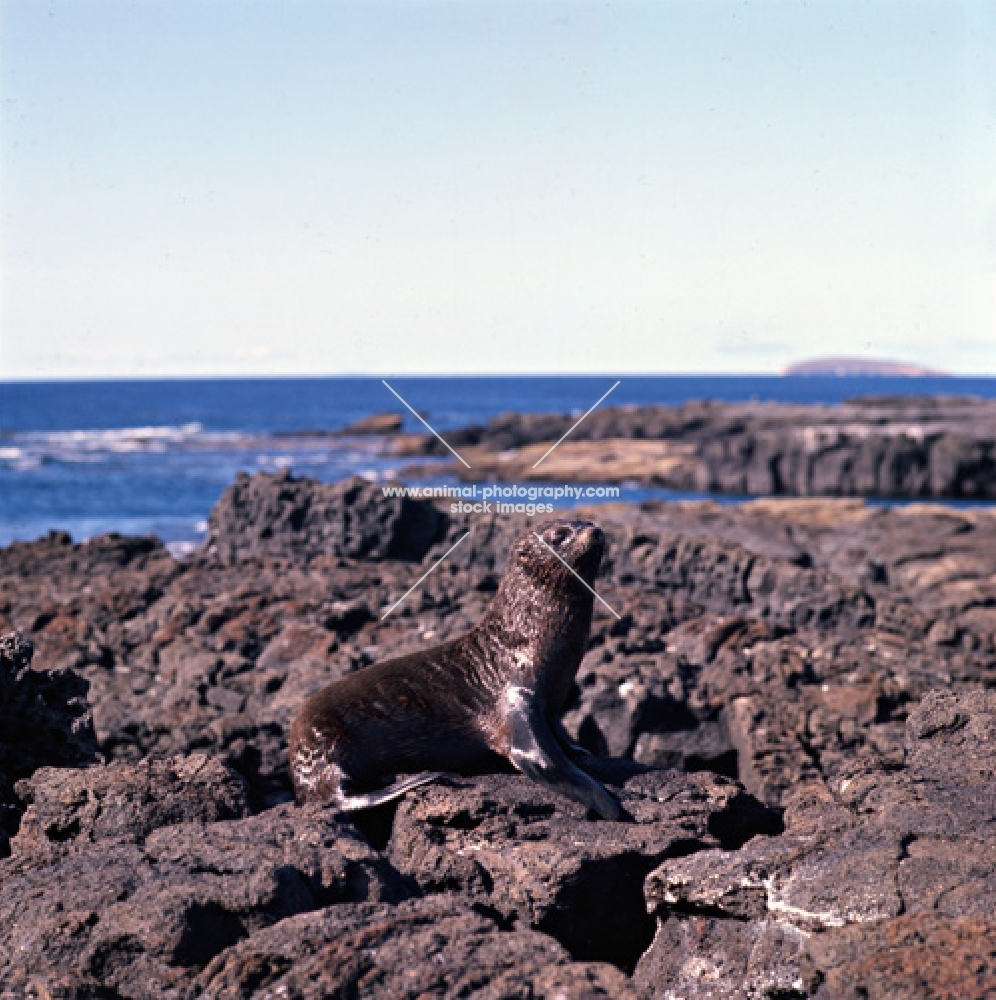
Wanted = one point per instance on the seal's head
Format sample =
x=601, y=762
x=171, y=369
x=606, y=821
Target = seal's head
x=547, y=552
x=544, y=594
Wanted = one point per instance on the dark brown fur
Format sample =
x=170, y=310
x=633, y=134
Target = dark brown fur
x=498, y=690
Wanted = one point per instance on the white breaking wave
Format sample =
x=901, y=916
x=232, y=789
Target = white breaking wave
x=115, y=439
x=18, y=459
x=25, y=451
x=30, y=449
x=275, y=461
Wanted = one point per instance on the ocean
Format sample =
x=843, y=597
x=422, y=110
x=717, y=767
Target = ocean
x=153, y=456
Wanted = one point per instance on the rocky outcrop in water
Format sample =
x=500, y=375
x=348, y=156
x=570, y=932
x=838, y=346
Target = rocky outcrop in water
x=873, y=447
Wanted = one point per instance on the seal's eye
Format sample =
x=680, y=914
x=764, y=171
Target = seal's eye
x=557, y=535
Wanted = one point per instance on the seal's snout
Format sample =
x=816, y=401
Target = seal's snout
x=590, y=546
x=592, y=537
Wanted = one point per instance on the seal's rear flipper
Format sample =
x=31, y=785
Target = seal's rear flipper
x=537, y=754
x=354, y=803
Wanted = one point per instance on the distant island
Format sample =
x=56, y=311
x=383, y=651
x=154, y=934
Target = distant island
x=859, y=366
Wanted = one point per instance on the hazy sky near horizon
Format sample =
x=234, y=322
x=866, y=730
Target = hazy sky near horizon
x=281, y=187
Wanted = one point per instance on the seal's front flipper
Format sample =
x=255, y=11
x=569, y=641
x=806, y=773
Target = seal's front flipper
x=537, y=754
x=354, y=803
x=573, y=750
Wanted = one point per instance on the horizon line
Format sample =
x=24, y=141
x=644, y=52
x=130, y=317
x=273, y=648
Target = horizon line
x=221, y=376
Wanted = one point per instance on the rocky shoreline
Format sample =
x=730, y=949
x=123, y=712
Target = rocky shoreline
x=890, y=447
x=796, y=706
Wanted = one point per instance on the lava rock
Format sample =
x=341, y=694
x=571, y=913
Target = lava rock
x=440, y=947
x=876, y=446
x=538, y=861
x=299, y=518
x=883, y=886
x=827, y=654
x=376, y=423
x=44, y=719
x=69, y=811
x=921, y=956
x=143, y=919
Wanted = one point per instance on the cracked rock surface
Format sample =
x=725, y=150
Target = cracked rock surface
x=796, y=697
x=141, y=916
x=536, y=860
x=44, y=719
x=433, y=947
x=884, y=884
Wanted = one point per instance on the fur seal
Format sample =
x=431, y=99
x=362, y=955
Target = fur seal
x=497, y=690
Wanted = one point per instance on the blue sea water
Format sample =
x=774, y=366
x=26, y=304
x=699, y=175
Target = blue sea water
x=143, y=456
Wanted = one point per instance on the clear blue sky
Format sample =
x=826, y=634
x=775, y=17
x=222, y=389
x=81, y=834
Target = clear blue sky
x=229, y=186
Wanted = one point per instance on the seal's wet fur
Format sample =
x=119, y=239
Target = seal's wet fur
x=497, y=690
